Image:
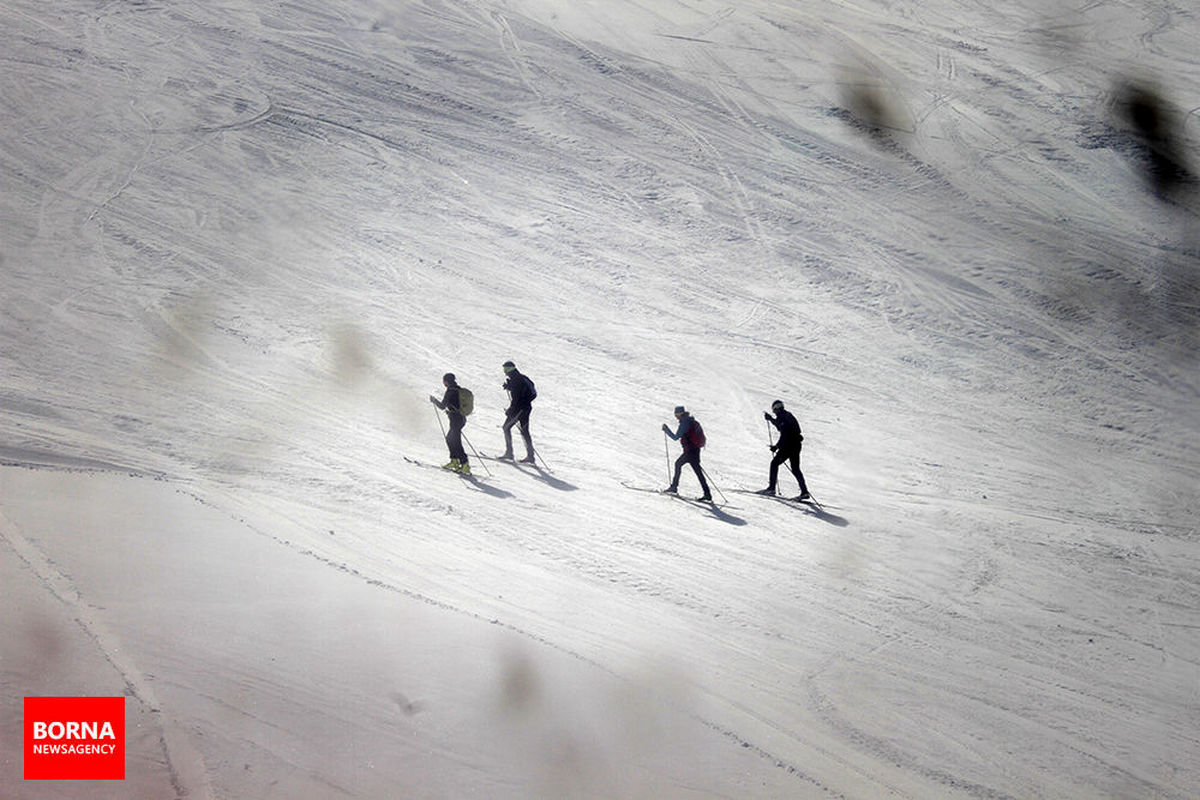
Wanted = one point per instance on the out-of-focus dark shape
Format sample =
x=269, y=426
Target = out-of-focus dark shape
x=406, y=705
x=519, y=684
x=1151, y=120
x=872, y=109
x=45, y=644
x=351, y=355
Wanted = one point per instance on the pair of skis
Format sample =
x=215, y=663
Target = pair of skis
x=427, y=465
x=516, y=462
x=798, y=500
x=481, y=456
x=698, y=501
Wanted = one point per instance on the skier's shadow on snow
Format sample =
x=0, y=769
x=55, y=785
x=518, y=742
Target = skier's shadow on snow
x=537, y=473
x=486, y=488
x=722, y=515
x=553, y=482
x=823, y=515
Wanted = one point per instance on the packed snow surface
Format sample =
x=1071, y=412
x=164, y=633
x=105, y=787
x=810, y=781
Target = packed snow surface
x=241, y=242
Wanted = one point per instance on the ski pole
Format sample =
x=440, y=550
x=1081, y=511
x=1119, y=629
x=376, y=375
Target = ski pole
x=667, y=453
x=482, y=463
x=439, y=419
x=713, y=483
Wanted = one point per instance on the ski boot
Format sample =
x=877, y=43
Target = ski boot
x=453, y=466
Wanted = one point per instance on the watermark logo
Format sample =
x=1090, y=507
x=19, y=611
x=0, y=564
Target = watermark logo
x=74, y=738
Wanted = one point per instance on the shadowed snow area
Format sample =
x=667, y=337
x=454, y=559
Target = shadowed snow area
x=241, y=242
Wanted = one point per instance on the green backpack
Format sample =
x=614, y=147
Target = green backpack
x=466, y=402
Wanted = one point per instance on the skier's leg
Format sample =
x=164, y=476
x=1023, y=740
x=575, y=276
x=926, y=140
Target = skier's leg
x=779, y=458
x=679, y=462
x=508, y=426
x=524, y=419
x=695, y=461
x=455, y=441
x=795, y=464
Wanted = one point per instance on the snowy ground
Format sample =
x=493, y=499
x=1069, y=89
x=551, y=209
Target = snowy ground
x=241, y=242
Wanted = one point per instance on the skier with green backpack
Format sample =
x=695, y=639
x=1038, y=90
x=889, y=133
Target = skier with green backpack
x=458, y=403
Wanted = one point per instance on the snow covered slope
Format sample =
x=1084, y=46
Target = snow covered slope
x=242, y=242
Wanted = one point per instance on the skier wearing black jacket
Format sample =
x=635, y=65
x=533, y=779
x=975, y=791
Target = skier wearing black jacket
x=522, y=393
x=691, y=436
x=450, y=403
x=787, y=448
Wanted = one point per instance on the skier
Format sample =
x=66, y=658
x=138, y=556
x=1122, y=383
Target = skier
x=691, y=436
x=451, y=404
x=787, y=448
x=521, y=393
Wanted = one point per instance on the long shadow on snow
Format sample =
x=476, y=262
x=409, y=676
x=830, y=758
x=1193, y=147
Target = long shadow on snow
x=550, y=480
x=486, y=488
x=716, y=512
x=535, y=472
x=724, y=517
x=825, y=516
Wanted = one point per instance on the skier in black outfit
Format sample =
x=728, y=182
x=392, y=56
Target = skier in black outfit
x=522, y=393
x=450, y=404
x=690, y=435
x=787, y=448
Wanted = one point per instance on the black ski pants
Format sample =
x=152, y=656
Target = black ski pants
x=691, y=455
x=791, y=455
x=518, y=417
x=454, y=438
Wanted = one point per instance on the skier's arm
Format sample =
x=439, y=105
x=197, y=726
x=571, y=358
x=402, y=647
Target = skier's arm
x=683, y=428
x=512, y=402
x=449, y=401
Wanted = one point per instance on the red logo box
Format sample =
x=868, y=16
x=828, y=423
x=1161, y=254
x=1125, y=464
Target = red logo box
x=74, y=738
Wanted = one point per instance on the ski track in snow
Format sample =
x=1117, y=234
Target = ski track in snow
x=241, y=245
x=188, y=773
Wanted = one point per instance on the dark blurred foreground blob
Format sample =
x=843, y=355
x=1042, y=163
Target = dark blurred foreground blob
x=1161, y=152
x=872, y=110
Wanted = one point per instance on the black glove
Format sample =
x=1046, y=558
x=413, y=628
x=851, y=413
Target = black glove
x=665, y=428
x=767, y=416
x=774, y=447
x=433, y=400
